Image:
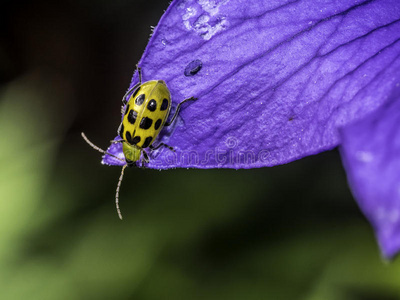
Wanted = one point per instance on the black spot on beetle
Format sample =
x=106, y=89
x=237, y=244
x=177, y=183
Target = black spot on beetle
x=121, y=131
x=135, y=140
x=158, y=124
x=193, y=68
x=126, y=109
x=125, y=100
x=140, y=99
x=164, y=104
x=152, y=105
x=128, y=137
x=132, y=116
x=291, y=118
x=135, y=92
x=147, y=142
x=145, y=123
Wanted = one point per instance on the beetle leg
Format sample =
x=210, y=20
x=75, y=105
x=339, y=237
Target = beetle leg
x=177, y=111
x=139, y=69
x=124, y=100
x=161, y=145
x=145, y=159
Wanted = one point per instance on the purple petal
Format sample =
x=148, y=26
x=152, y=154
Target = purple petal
x=277, y=78
x=371, y=155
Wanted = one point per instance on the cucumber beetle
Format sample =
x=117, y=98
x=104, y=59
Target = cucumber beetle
x=145, y=113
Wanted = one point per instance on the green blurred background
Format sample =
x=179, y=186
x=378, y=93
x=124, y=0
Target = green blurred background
x=288, y=232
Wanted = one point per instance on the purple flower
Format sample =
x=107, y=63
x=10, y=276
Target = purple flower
x=371, y=155
x=279, y=80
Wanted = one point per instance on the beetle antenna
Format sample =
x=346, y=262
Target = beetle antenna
x=117, y=192
x=98, y=148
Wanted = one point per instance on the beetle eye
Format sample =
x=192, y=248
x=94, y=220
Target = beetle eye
x=130, y=163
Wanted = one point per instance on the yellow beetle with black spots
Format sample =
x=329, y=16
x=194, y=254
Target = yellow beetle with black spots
x=145, y=114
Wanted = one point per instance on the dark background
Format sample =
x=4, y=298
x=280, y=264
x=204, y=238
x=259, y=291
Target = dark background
x=288, y=232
